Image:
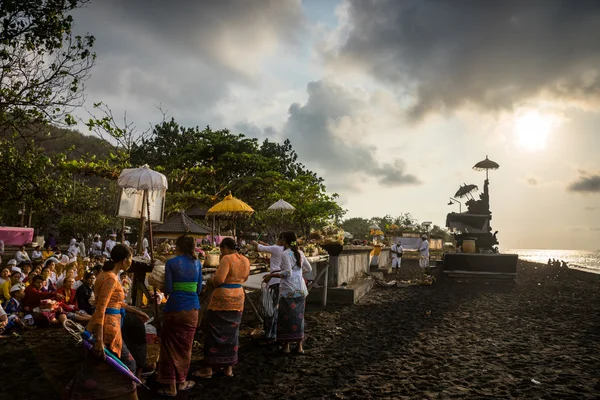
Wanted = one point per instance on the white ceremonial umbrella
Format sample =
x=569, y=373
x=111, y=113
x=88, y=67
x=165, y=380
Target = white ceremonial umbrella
x=282, y=206
x=142, y=178
x=148, y=180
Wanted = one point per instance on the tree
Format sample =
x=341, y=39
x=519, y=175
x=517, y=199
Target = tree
x=89, y=209
x=42, y=64
x=30, y=180
x=358, y=227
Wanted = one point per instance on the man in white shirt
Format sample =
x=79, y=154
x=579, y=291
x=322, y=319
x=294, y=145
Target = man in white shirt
x=22, y=255
x=397, y=251
x=424, y=250
x=96, y=246
x=110, y=243
x=276, y=251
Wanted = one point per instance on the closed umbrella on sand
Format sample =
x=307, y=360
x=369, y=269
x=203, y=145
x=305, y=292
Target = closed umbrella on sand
x=230, y=208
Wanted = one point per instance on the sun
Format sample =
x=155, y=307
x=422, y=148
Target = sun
x=532, y=130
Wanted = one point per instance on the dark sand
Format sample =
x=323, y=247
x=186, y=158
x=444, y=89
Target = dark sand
x=450, y=340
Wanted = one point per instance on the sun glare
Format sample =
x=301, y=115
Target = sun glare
x=532, y=130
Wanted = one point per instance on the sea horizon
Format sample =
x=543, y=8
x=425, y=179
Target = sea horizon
x=587, y=260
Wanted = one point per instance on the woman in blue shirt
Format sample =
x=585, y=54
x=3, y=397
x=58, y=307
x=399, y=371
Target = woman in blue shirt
x=183, y=285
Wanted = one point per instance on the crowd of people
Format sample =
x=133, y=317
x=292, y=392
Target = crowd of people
x=50, y=287
x=557, y=263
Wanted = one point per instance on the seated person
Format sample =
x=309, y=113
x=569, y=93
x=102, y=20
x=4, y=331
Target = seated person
x=15, y=277
x=85, y=293
x=48, y=285
x=69, y=304
x=15, y=304
x=26, y=268
x=34, y=295
x=68, y=273
x=9, y=322
x=13, y=312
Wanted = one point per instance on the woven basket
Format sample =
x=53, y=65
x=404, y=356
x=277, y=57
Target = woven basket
x=212, y=260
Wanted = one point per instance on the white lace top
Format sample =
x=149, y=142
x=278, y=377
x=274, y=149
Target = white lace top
x=292, y=282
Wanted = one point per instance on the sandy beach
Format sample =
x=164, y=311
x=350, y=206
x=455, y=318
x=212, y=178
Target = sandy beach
x=537, y=338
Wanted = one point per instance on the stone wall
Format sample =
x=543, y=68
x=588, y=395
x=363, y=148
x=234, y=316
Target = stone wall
x=350, y=265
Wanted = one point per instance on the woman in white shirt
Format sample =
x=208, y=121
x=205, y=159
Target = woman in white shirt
x=37, y=253
x=22, y=255
x=292, y=293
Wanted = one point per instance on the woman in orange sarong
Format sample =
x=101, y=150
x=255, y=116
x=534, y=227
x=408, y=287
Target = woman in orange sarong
x=97, y=379
x=224, y=315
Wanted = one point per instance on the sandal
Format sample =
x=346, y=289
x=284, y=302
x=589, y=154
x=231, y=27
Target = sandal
x=163, y=392
x=188, y=386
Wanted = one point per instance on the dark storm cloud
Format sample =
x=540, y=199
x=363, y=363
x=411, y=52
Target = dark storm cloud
x=183, y=53
x=313, y=130
x=586, y=184
x=492, y=54
x=532, y=181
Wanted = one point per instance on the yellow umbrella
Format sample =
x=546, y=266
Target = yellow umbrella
x=230, y=208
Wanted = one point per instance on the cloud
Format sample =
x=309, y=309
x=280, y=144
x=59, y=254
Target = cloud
x=445, y=55
x=252, y=130
x=586, y=183
x=532, y=181
x=186, y=54
x=592, y=208
x=329, y=132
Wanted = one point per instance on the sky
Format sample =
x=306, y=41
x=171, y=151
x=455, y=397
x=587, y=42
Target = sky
x=391, y=101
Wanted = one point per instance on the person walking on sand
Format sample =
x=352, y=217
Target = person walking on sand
x=397, y=252
x=424, y=250
x=224, y=314
x=183, y=284
x=276, y=251
x=292, y=293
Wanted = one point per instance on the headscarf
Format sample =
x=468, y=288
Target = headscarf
x=73, y=248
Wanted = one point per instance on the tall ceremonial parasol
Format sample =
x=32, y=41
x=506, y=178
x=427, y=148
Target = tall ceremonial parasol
x=280, y=209
x=282, y=206
x=465, y=190
x=486, y=165
x=151, y=183
x=230, y=208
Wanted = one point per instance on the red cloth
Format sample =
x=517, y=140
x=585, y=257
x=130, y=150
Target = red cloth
x=33, y=297
x=71, y=303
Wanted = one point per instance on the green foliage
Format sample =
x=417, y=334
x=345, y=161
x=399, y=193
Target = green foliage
x=30, y=177
x=358, y=227
x=42, y=64
x=202, y=166
x=89, y=209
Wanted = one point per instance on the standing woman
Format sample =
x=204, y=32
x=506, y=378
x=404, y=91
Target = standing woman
x=224, y=315
x=183, y=284
x=98, y=380
x=292, y=293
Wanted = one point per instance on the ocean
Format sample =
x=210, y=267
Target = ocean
x=581, y=259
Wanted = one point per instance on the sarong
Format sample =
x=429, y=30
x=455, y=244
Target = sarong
x=221, y=338
x=270, y=324
x=98, y=380
x=176, y=343
x=290, y=323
